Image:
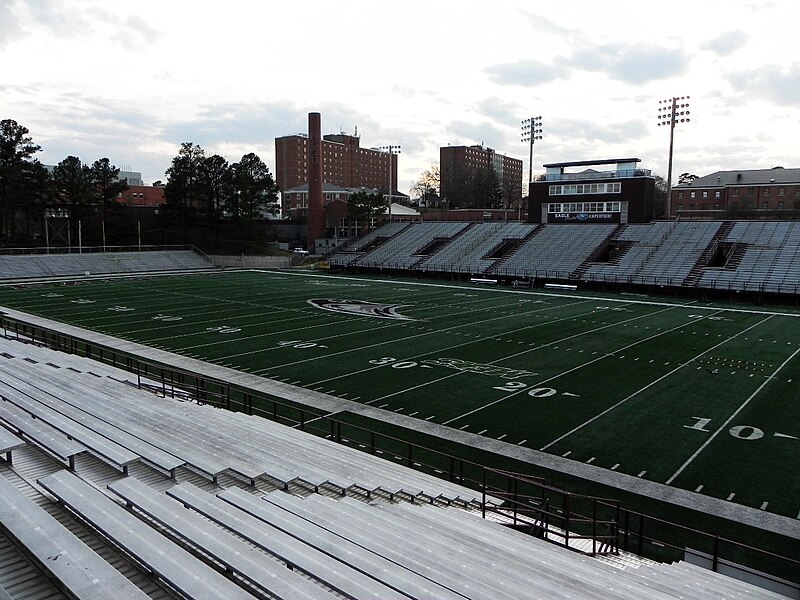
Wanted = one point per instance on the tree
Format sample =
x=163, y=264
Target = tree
x=74, y=185
x=107, y=183
x=16, y=150
x=661, y=197
x=686, y=178
x=256, y=193
x=363, y=206
x=426, y=188
x=182, y=192
x=215, y=186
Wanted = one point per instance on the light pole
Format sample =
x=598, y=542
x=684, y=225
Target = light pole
x=671, y=112
x=531, y=131
x=390, y=150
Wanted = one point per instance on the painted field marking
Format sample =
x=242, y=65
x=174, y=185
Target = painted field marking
x=731, y=495
x=764, y=505
x=615, y=467
x=464, y=427
x=649, y=385
x=698, y=488
x=690, y=304
x=590, y=461
x=641, y=474
x=429, y=418
x=729, y=419
x=567, y=453
x=502, y=436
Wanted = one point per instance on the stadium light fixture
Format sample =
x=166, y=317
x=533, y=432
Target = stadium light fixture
x=671, y=112
x=390, y=150
x=531, y=131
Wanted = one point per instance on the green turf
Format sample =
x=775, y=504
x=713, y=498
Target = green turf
x=669, y=391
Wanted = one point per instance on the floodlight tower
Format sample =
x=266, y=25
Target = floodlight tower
x=390, y=150
x=531, y=131
x=671, y=112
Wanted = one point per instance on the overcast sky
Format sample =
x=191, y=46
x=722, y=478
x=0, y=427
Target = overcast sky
x=132, y=80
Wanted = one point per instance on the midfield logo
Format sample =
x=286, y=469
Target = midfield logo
x=360, y=307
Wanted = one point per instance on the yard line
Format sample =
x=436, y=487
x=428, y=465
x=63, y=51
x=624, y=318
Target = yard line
x=651, y=384
x=506, y=397
x=729, y=419
x=522, y=442
x=418, y=335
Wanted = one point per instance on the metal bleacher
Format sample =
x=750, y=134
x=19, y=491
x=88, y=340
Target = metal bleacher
x=190, y=530
x=555, y=249
x=31, y=266
x=770, y=258
x=400, y=251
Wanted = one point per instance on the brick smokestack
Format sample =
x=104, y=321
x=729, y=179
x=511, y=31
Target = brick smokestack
x=316, y=212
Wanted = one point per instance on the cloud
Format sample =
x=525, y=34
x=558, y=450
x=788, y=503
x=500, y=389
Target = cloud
x=778, y=85
x=612, y=133
x=501, y=111
x=10, y=29
x=726, y=43
x=528, y=72
x=632, y=63
x=463, y=133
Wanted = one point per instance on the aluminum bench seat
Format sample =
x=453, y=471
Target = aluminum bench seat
x=76, y=568
x=45, y=436
x=55, y=396
x=110, y=451
x=9, y=442
x=165, y=559
x=238, y=557
x=327, y=563
x=347, y=550
x=407, y=545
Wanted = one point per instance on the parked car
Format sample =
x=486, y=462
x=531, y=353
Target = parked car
x=301, y=251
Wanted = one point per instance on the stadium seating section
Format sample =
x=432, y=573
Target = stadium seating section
x=161, y=494
x=30, y=266
x=724, y=255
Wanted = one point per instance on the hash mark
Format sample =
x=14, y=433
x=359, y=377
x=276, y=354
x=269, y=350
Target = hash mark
x=764, y=505
x=731, y=495
x=522, y=442
x=642, y=473
x=699, y=487
x=614, y=468
x=567, y=453
x=463, y=427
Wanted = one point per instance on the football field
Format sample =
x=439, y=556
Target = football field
x=699, y=396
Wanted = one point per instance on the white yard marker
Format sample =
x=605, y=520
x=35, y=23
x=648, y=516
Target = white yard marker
x=463, y=427
x=590, y=461
x=502, y=436
x=482, y=432
x=522, y=442
x=614, y=468
x=731, y=495
x=764, y=505
x=729, y=419
x=567, y=453
x=431, y=417
x=698, y=488
x=641, y=474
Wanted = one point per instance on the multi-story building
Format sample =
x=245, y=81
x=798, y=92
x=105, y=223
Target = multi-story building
x=624, y=194
x=142, y=195
x=765, y=193
x=345, y=164
x=462, y=177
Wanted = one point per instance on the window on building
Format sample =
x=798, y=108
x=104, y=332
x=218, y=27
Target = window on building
x=751, y=191
x=766, y=192
x=704, y=206
x=780, y=205
x=680, y=206
x=680, y=195
x=717, y=194
x=705, y=194
x=781, y=191
x=735, y=192
x=765, y=205
x=691, y=206
x=692, y=194
x=716, y=205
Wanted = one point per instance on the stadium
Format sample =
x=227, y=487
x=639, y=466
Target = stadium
x=424, y=417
